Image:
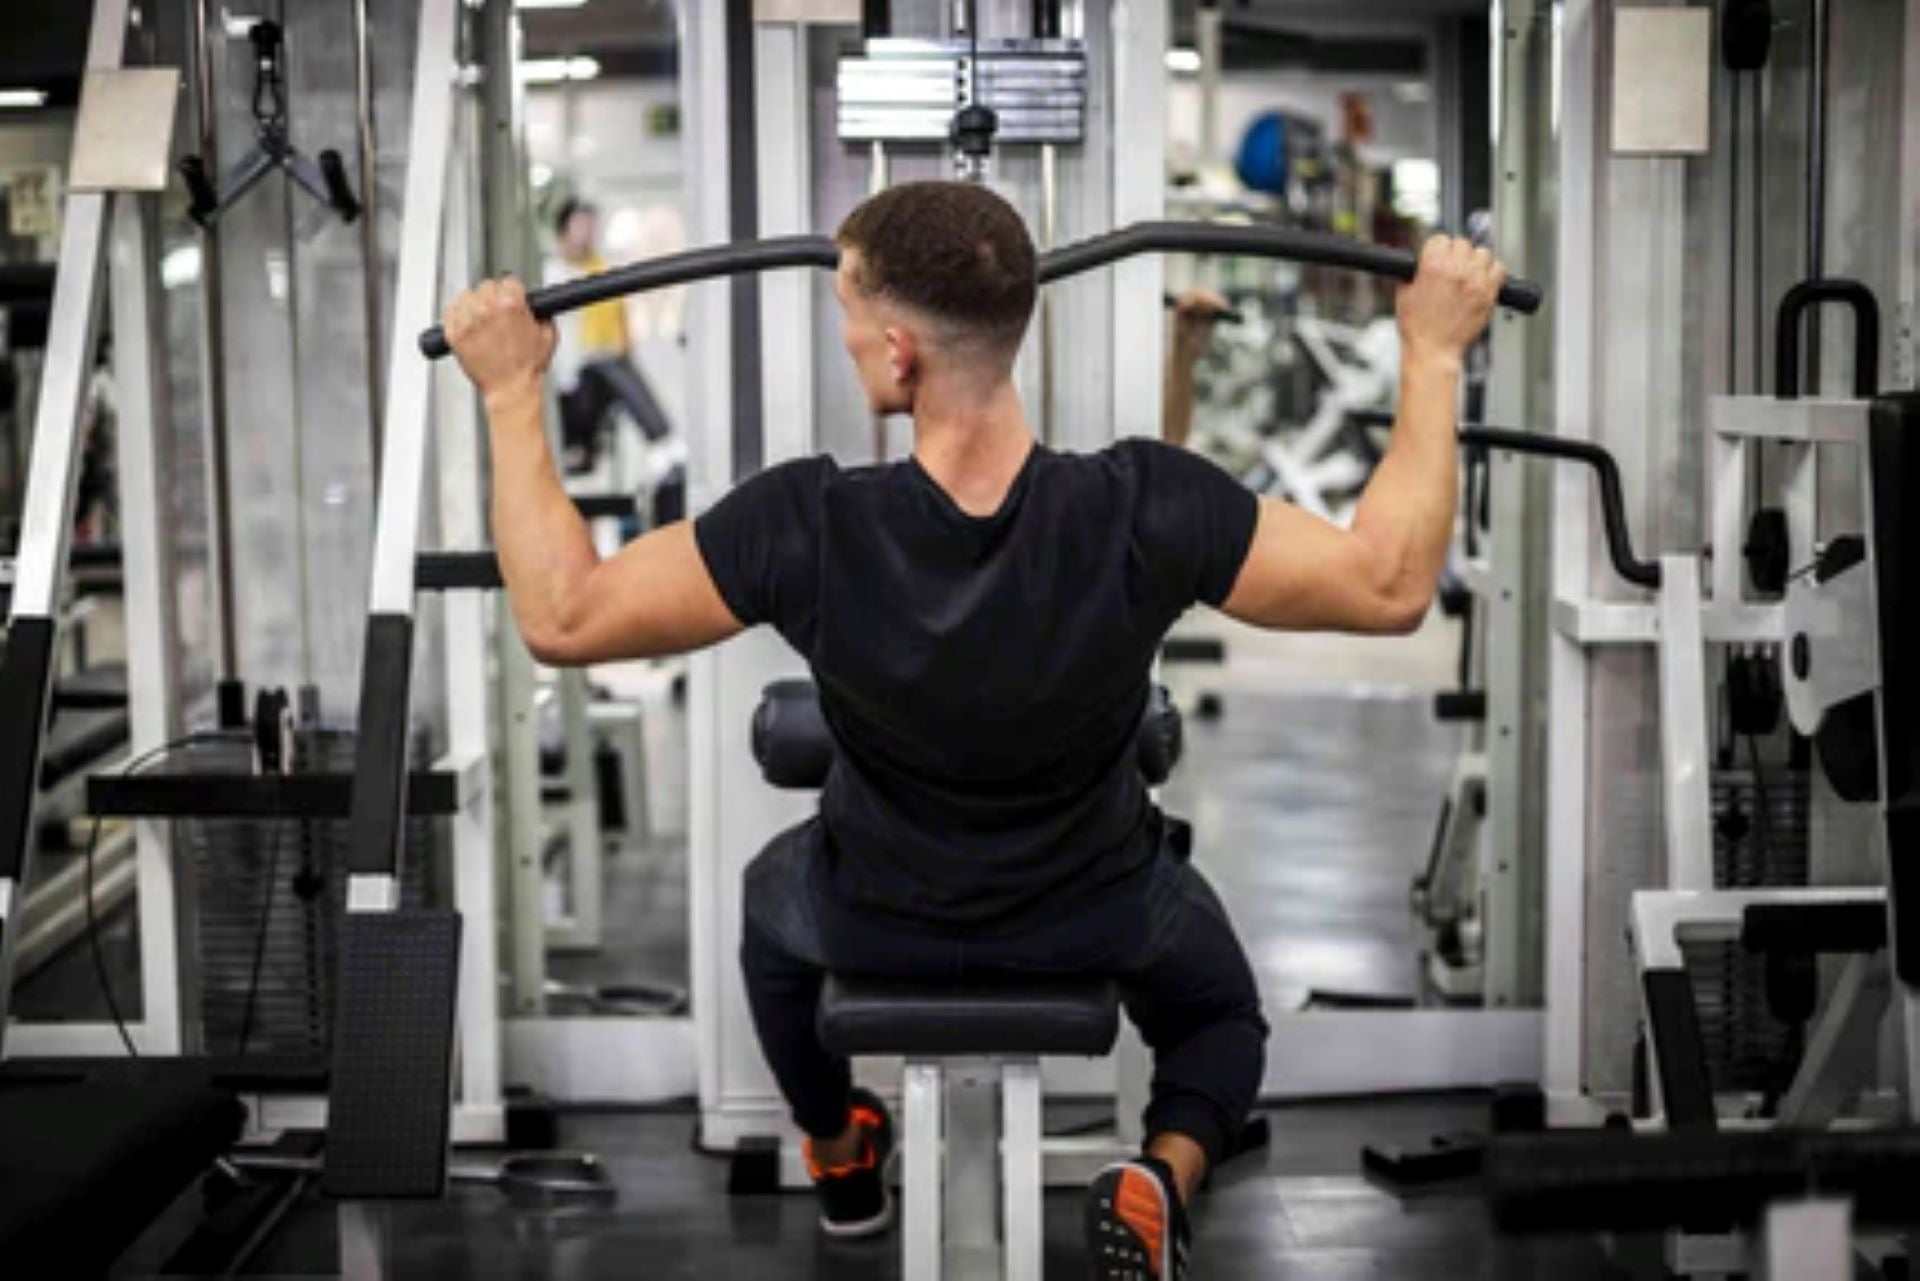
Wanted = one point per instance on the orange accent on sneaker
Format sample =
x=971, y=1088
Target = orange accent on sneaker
x=1140, y=1205
x=867, y=1119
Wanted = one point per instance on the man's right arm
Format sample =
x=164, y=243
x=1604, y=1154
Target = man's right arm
x=1306, y=574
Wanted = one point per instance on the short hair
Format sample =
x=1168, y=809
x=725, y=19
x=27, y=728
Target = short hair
x=568, y=208
x=953, y=250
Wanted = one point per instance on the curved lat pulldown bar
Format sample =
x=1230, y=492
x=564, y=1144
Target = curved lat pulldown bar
x=1317, y=248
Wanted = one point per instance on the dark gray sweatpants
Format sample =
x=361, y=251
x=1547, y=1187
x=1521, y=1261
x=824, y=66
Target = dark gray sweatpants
x=1183, y=977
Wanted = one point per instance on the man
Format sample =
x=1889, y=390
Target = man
x=593, y=368
x=981, y=620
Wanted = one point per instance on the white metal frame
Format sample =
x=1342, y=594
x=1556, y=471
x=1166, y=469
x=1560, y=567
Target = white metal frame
x=47, y=506
x=971, y=1158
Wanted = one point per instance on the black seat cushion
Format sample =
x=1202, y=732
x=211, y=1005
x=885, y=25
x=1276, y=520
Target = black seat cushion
x=85, y=1168
x=794, y=745
x=883, y=1016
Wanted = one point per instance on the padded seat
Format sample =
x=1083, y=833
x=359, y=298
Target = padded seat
x=1012, y=1018
x=84, y=1169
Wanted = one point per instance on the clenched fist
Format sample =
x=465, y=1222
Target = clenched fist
x=499, y=344
x=1452, y=295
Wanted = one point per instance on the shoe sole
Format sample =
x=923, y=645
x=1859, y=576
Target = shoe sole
x=1115, y=1247
x=880, y=1222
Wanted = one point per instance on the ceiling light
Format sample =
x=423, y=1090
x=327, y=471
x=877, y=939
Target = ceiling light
x=23, y=97
x=1183, y=62
x=548, y=4
x=548, y=71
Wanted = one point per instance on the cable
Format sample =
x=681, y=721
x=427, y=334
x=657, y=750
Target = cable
x=260, y=937
x=973, y=53
x=93, y=920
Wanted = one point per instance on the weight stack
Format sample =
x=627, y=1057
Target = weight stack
x=292, y=1014
x=1748, y=1049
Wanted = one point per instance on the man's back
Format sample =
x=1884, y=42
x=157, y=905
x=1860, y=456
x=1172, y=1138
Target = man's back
x=983, y=675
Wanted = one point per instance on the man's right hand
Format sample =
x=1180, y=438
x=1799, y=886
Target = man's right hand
x=499, y=344
x=1195, y=313
x=1447, y=306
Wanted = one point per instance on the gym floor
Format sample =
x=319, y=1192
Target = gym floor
x=1313, y=799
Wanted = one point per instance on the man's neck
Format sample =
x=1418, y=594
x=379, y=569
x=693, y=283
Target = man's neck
x=972, y=444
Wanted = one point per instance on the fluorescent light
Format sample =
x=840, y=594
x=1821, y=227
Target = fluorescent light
x=549, y=71
x=548, y=4
x=1183, y=62
x=541, y=175
x=23, y=97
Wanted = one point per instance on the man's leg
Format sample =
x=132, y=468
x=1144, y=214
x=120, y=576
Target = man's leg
x=780, y=953
x=1198, y=1008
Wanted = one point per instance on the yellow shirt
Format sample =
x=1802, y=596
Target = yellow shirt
x=603, y=325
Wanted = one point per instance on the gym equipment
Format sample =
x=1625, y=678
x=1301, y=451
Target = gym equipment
x=1699, y=1180
x=325, y=181
x=1319, y=248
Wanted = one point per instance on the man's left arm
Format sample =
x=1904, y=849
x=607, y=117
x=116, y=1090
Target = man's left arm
x=655, y=597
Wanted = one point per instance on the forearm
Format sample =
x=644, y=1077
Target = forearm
x=545, y=550
x=1406, y=514
x=1176, y=394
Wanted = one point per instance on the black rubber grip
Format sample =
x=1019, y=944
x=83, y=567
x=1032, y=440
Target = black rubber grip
x=1231, y=316
x=1320, y=248
x=26, y=669
x=1866, y=334
x=380, y=755
x=1317, y=247
x=339, y=190
x=1613, y=508
x=659, y=273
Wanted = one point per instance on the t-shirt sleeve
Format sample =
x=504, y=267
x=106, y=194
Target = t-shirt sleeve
x=761, y=544
x=1195, y=521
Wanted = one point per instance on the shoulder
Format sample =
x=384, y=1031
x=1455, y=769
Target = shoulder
x=1149, y=463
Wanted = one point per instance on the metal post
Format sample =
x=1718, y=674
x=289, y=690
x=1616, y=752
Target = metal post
x=369, y=227
x=469, y=704
x=584, y=845
x=1816, y=177
x=47, y=509
x=213, y=360
x=1685, y=762
x=923, y=1115
x=1207, y=20
x=1020, y=1164
x=151, y=659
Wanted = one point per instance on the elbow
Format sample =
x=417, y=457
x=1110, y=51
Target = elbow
x=551, y=645
x=1405, y=618
x=1401, y=613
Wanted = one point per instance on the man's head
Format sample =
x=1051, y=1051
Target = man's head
x=935, y=278
x=575, y=226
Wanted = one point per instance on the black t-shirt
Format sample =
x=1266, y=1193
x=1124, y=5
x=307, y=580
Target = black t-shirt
x=983, y=675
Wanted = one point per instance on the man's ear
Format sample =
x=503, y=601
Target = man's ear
x=903, y=355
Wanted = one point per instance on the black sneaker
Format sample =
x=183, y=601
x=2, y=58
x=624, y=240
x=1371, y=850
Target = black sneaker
x=854, y=1199
x=1136, y=1228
